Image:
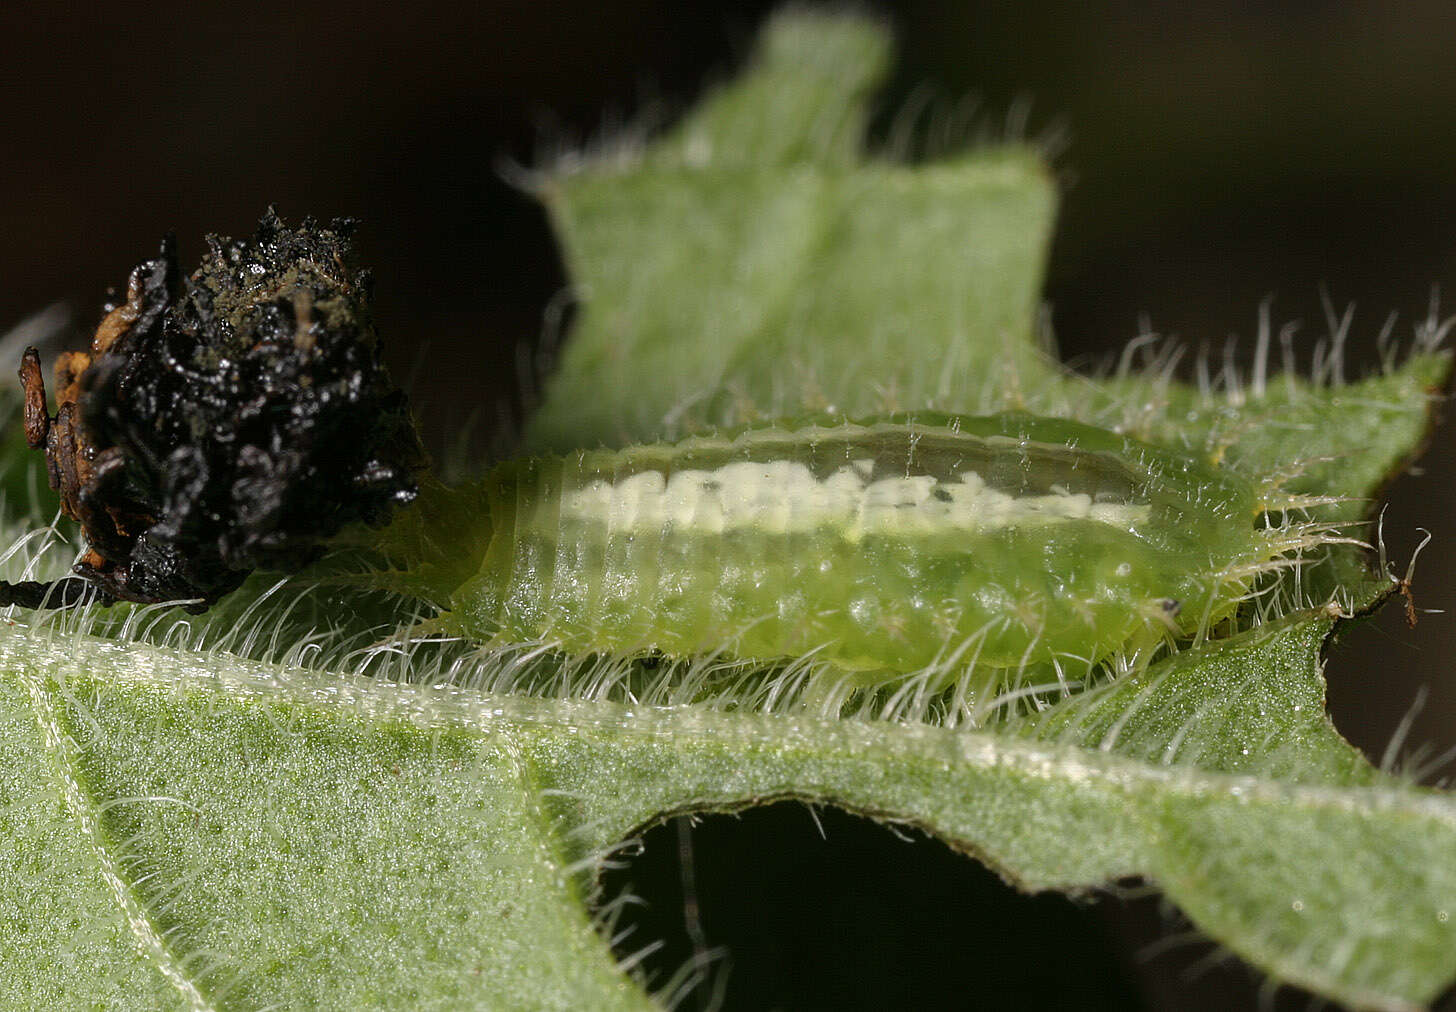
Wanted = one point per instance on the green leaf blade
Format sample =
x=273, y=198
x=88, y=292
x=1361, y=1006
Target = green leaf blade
x=286, y=854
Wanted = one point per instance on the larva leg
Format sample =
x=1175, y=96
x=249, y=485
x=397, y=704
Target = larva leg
x=60, y=594
x=32, y=381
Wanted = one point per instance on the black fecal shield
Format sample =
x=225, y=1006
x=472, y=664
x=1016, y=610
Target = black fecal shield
x=253, y=409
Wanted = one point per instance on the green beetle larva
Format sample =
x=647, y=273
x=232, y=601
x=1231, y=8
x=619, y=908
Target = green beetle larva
x=881, y=546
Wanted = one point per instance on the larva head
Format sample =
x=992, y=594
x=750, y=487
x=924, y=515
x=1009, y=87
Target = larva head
x=1144, y=543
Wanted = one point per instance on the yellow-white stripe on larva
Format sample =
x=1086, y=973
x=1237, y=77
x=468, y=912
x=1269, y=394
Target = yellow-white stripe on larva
x=784, y=496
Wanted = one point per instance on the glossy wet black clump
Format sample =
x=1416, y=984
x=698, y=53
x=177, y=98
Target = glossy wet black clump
x=227, y=421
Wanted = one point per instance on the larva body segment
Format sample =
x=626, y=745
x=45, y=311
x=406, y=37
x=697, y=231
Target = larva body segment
x=882, y=546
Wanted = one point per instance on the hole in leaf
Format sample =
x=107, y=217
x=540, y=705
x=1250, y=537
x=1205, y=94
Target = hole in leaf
x=861, y=917
x=780, y=915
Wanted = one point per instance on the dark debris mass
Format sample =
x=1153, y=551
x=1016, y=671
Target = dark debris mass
x=224, y=422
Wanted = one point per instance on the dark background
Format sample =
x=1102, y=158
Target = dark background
x=1215, y=159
